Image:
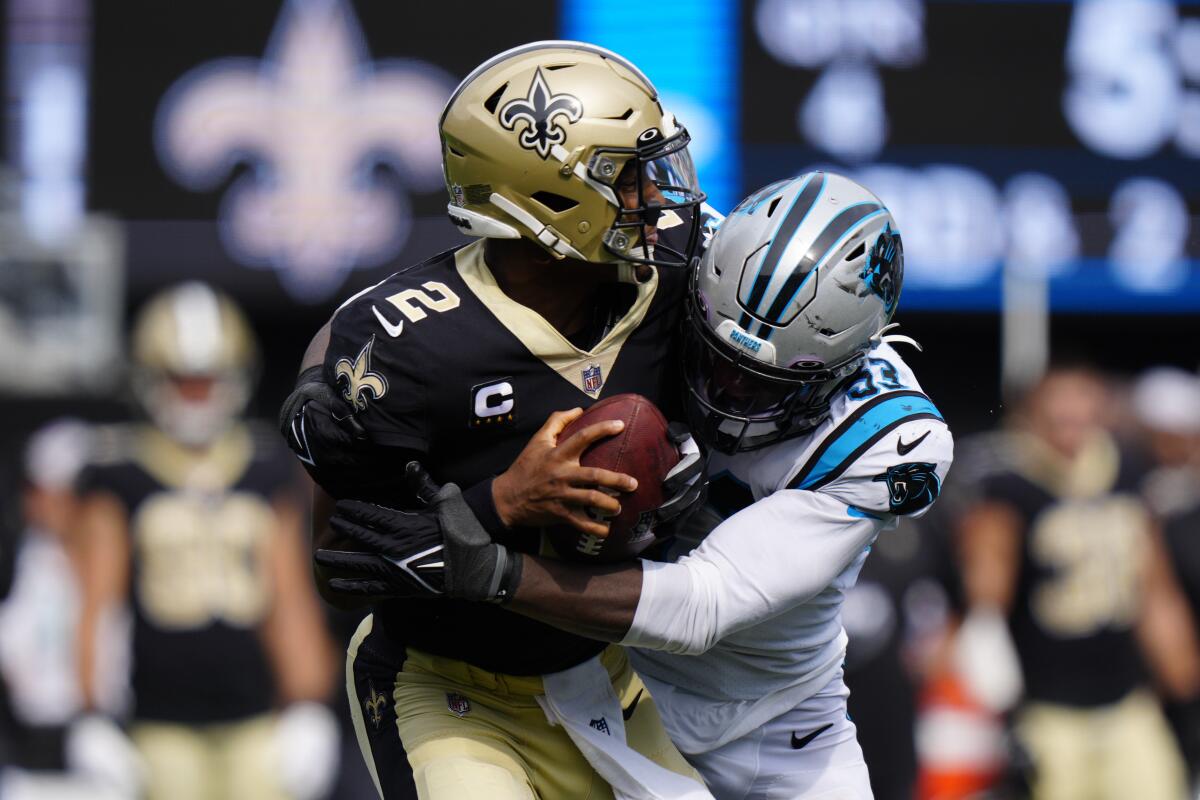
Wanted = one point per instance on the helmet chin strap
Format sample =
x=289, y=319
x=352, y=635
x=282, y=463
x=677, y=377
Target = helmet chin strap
x=551, y=239
x=882, y=335
x=484, y=226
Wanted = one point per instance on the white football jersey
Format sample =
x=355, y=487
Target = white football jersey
x=748, y=623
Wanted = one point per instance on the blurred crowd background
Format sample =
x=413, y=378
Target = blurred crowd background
x=1036, y=634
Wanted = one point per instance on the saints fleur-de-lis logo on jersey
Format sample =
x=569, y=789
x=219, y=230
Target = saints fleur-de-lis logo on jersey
x=360, y=380
x=541, y=110
x=374, y=706
x=313, y=119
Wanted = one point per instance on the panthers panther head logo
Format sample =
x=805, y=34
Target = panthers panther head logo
x=911, y=486
x=884, y=270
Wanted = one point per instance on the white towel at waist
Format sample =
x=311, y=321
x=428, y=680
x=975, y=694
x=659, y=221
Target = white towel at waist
x=583, y=701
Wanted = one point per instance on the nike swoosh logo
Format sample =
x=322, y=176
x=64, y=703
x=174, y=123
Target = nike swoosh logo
x=904, y=449
x=797, y=744
x=392, y=330
x=628, y=712
x=301, y=436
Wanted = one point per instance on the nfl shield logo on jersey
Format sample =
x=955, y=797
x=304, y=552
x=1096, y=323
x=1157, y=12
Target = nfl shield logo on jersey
x=459, y=706
x=592, y=379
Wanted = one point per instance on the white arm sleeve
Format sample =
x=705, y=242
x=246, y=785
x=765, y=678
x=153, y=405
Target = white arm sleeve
x=770, y=556
x=784, y=549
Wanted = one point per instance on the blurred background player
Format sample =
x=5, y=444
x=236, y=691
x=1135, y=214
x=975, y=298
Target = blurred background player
x=192, y=521
x=1166, y=410
x=47, y=752
x=38, y=618
x=1060, y=554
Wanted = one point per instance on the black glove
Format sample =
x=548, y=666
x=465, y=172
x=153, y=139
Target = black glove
x=686, y=483
x=318, y=425
x=321, y=429
x=441, y=549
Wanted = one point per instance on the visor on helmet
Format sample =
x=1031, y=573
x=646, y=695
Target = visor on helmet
x=668, y=196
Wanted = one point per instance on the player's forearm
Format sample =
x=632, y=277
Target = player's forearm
x=596, y=602
x=989, y=544
x=104, y=574
x=1166, y=628
x=294, y=632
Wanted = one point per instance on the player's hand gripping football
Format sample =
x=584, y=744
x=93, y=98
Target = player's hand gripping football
x=439, y=549
x=547, y=486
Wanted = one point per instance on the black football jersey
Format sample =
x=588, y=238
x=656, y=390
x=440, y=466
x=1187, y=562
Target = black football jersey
x=199, y=587
x=437, y=360
x=1083, y=539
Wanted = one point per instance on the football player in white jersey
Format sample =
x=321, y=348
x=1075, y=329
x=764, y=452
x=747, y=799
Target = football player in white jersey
x=823, y=440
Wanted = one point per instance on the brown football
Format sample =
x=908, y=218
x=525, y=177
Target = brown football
x=644, y=450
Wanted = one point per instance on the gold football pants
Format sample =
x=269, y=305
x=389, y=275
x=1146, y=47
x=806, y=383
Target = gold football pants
x=228, y=761
x=471, y=734
x=1119, y=751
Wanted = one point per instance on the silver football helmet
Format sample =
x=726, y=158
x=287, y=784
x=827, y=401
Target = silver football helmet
x=797, y=284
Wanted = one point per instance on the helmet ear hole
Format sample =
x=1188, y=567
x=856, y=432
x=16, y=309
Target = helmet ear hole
x=555, y=202
x=623, y=116
x=494, y=99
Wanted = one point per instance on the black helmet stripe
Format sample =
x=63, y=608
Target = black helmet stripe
x=834, y=231
x=788, y=226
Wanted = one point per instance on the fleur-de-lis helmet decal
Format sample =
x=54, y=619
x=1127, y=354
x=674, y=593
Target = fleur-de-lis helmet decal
x=541, y=110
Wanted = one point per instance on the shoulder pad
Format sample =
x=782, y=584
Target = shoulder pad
x=868, y=453
x=380, y=357
x=901, y=473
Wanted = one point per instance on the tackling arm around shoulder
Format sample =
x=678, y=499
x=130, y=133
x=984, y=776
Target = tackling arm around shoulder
x=773, y=555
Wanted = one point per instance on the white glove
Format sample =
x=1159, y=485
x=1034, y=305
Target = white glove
x=99, y=751
x=987, y=661
x=307, y=742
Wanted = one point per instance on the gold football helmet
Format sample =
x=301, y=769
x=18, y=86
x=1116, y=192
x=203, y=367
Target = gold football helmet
x=543, y=140
x=194, y=362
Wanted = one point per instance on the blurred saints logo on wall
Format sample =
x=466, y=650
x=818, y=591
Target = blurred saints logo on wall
x=313, y=120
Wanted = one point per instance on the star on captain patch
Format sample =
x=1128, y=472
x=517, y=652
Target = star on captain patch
x=360, y=380
x=593, y=379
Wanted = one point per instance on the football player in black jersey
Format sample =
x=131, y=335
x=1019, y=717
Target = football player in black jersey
x=194, y=524
x=1062, y=567
x=560, y=156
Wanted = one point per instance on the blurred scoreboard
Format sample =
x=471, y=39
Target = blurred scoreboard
x=1055, y=140
x=1059, y=141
